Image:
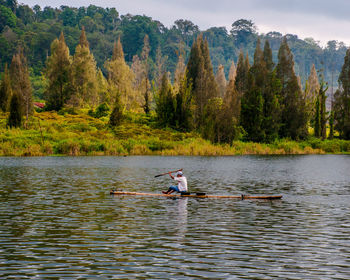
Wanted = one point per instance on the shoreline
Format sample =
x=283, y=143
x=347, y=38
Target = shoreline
x=52, y=134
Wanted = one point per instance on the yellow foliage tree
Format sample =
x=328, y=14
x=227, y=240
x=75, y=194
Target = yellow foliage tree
x=84, y=76
x=121, y=79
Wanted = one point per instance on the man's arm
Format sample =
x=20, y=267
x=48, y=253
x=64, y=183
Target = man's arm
x=172, y=177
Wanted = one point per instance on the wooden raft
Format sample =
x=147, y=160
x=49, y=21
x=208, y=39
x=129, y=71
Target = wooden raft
x=241, y=197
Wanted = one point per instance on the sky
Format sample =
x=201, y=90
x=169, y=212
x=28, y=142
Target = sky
x=323, y=20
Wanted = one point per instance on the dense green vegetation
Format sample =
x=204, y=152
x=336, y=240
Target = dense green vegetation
x=261, y=102
x=49, y=133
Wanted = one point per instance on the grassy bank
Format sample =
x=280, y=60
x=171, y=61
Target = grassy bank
x=49, y=133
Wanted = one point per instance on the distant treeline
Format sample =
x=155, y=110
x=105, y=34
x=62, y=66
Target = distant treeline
x=35, y=28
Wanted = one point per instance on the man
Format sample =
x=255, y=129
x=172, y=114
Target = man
x=181, y=184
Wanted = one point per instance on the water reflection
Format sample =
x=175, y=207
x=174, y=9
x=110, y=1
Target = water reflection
x=181, y=218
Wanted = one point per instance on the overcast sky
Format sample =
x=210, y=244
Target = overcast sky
x=322, y=20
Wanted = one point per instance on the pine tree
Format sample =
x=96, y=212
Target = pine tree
x=58, y=74
x=121, y=78
x=272, y=88
x=294, y=115
x=179, y=72
x=5, y=90
x=317, y=122
x=102, y=88
x=117, y=114
x=272, y=107
x=241, y=81
x=200, y=74
x=311, y=91
x=323, y=112
x=268, y=57
x=165, y=103
x=83, y=42
x=160, y=67
x=342, y=100
x=246, y=62
x=184, y=108
x=195, y=58
x=20, y=83
x=145, y=85
x=252, y=114
x=84, y=75
x=15, y=117
x=213, y=115
x=230, y=115
x=232, y=73
x=221, y=81
x=118, y=52
x=331, y=124
x=233, y=99
x=137, y=69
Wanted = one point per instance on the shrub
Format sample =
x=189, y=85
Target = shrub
x=102, y=111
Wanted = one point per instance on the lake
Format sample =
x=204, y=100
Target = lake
x=58, y=220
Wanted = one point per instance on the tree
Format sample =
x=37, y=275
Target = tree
x=83, y=73
x=342, y=100
x=233, y=99
x=268, y=56
x=160, y=67
x=294, y=115
x=58, y=74
x=83, y=42
x=312, y=89
x=187, y=29
x=252, y=114
x=20, y=83
x=323, y=112
x=118, y=52
x=165, y=103
x=271, y=95
x=320, y=111
x=102, y=88
x=243, y=31
x=121, y=79
x=179, y=71
x=5, y=90
x=7, y=18
x=145, y=81
x=232, y=72
x=11, y=4
x=317, y=121
x=211, y=128
x=200, y=74
x=243, y=27
x=230, y=115
x=221, y=81
x=15, y=117
x=25, y=14
x=241, y=80
x=117, y=114
x=184, y=108
x=331, y=124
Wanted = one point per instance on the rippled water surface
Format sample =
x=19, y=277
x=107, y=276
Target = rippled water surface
x=58, y=221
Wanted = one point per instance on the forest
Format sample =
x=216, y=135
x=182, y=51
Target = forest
x=35, y=28
x=224, y=86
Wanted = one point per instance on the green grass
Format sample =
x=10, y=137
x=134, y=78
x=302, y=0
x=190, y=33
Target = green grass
x=49, y=133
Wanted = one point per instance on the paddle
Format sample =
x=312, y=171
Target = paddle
x=167, y=173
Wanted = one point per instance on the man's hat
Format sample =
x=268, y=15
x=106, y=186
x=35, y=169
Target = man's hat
x=179, y=173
